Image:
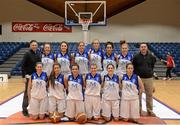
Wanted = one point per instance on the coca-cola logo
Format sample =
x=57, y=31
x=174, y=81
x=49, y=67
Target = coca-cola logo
x=50, y=27
x=39, y=27
x=25, y=27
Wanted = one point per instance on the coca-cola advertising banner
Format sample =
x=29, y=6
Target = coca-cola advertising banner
x=40, y=27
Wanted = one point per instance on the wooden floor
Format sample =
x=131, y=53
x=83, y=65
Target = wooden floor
x=167, y=92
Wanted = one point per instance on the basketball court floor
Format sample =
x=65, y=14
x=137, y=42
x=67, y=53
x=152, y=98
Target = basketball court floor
x=166, y=103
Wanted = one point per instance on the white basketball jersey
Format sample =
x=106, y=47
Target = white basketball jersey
x=93, y=84
x=58, y=91
x=122, y=62
x=48, y=61
x=96, y=58
x=130, y=87
x=64, y=61
x=75, y=88
x=82, y=61
x=39, y=85
x=109, y=60
x=111, y=88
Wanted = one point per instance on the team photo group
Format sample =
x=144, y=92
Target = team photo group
x=97, y=82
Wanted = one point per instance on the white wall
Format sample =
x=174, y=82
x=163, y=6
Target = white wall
x=153, y=20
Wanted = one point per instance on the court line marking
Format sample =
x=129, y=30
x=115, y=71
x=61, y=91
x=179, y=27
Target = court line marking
x=6, y=100
x=154, y=99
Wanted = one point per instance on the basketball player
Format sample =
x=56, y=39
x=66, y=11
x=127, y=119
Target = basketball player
x=132, y=87
x=81, y=58
x=63, y=58
x=57, y=91
x=47, y=59
x=96, y=55
x=37, y=93
x=109, y=57
x=74, y=99
x=92, y=93
x=124, y=58
x=110, y=96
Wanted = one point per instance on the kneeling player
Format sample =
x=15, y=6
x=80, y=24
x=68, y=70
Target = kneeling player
x=132, y=87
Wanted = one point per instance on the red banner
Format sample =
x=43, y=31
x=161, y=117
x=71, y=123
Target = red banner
x=40, y=27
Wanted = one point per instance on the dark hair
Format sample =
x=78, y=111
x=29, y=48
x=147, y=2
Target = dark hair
x=39, y=63
x=128, y=65
x=143, y=43
x=109, y=43
x=52, y=75
x=122, y=42
x=32, y=41
x=75, y=64
x=110, y=64
x=66, y=44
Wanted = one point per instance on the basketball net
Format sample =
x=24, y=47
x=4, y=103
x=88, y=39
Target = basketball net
x=85, y=24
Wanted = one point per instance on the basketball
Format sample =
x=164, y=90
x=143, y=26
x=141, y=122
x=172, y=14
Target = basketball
x=55, y=117
x=81, y=118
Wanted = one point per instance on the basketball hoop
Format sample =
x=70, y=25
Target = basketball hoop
x=85, y=24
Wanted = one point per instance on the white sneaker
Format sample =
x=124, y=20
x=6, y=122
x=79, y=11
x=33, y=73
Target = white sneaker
x=165, y=78
x=170, y=79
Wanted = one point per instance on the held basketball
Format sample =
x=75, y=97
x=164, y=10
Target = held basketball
x=55, y=117
x=81, y=118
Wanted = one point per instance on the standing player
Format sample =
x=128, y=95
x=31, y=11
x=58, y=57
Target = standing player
x=47, y=59
x=96, y=55
x=92, y=93
x=81, y=58
x=132, y=87
x=110, y=96
x=37, y=93
x=109, y=57
x=124, y=58
x=63, y=58
x=74, y=99
x=57, y=91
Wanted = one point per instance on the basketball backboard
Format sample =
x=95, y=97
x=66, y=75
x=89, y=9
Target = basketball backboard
x=76, y=12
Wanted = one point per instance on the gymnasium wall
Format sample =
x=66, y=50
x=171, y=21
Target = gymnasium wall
x=153, y=20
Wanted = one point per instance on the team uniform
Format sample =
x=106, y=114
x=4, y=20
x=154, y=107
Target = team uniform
x=130, y=98
x=48, y=61
x=75, y=98
x=92, y=95
x=64, y=61
x=110, y=96
x=108, y=60
x=82, y=61
x=96, y=58
x=57, y=95
x=38, y=101
x=122, y=62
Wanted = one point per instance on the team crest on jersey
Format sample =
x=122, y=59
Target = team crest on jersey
x=43, y=77
x=79, y=80
x=97, y=78
x=133, y=80
x=107, y=78
x=60, y=80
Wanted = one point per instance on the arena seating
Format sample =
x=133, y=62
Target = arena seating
x=7, y=49
x=161, y=49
